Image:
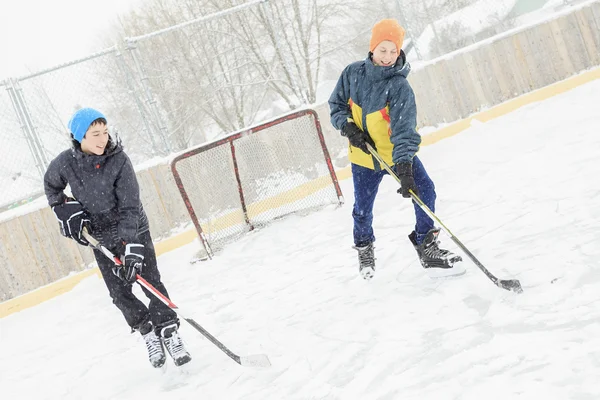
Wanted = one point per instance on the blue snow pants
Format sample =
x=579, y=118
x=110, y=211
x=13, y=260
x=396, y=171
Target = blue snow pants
x=366, y=184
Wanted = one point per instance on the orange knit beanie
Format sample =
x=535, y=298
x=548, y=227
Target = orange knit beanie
x=387, y=29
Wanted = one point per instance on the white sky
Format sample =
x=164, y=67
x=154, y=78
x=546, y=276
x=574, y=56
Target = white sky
x=521, y=191
x=36, y=34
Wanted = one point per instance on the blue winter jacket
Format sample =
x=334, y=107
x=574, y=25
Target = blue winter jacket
x=382, y=103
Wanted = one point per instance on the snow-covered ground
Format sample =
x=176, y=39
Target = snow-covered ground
x=522, y=192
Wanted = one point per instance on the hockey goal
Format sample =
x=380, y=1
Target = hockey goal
x=252, y=177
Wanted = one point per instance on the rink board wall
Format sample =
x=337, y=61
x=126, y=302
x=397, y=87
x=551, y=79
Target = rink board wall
x=497, y=76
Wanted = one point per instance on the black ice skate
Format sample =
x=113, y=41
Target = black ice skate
x=366, y=260
x=437, y=262
x=156, y=353
x=174, y=345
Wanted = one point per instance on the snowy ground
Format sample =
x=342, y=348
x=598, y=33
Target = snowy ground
x=522, y=192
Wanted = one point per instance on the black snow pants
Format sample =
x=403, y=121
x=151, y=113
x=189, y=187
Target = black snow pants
x=134, y=310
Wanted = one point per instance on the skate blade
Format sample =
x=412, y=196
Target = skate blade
x=196, y=260
x=440, y=273
x=182, y=360
x=159, y=364
x=367, y=273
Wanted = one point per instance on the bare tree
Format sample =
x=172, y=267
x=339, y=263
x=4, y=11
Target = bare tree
x=223, y=74
x=301, y=32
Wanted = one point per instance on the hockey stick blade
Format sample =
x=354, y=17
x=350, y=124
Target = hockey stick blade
x=510, y=284
x=255, y=361
x=260, y=360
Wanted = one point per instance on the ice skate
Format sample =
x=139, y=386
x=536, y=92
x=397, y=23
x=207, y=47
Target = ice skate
x=366, y=260
x=438, y=263
x=156, y=353
x=174, y=345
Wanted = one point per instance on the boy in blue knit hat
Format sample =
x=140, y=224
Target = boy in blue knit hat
x=107, y=203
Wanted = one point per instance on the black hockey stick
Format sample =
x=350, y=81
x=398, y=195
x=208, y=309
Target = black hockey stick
x=255, y=360
x=508, y=284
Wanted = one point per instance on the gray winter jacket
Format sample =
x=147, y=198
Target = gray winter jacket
x=107, y=188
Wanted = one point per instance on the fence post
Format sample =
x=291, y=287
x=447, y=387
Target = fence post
x=33, y=142
x=132, y=47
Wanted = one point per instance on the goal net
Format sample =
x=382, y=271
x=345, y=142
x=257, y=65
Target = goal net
x=252, y=177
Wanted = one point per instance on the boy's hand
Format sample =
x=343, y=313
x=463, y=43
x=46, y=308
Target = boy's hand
x=72, y=218
x=132, y=257
x=357, y=137
x=407, y=181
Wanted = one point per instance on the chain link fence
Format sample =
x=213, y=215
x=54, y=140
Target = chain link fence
x=35, y=109
x=161, y=92
x=101, y=80
x=231, y=67
x=20, y=166
x=200, y=77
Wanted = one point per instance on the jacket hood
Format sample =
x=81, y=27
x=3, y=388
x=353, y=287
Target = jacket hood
x=112, y=147
x=89, y=162
x=377, y=73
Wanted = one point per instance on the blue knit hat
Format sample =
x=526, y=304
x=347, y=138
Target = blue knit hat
x=81, y=121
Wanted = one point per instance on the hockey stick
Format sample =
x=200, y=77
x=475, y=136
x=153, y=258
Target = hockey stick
x=508, y=284
x=255, y=360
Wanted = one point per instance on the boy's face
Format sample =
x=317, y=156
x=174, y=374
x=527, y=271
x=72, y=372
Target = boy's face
x=95, y=139
x=385, y=54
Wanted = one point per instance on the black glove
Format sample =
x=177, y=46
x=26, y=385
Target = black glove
x=407, y=181
x=132, y=257
x=357, y=137
x=72, y=218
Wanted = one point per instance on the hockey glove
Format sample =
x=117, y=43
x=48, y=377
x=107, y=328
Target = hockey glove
x=357, y=137
x=132, y=257
x=72, y=218
x=407, y=181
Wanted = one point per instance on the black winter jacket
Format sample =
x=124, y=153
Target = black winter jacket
x=107, y=188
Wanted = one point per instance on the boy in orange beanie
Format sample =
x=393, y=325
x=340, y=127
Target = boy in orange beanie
x=387, y=29
x=374, y=103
